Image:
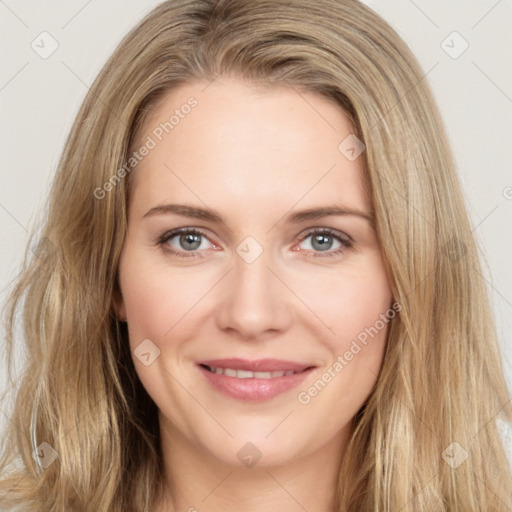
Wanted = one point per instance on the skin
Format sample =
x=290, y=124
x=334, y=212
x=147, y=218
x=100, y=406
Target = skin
x=255, y=156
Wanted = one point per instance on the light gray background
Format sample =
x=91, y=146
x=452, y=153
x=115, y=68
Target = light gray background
x=39, y=98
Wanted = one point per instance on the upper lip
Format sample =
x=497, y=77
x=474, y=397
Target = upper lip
x=258, y=365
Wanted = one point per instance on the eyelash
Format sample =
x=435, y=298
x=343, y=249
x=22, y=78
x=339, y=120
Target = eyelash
x=346, y=242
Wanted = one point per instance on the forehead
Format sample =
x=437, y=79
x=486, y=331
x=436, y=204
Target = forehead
x=231, y=143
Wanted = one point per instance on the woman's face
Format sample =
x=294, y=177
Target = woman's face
x=250, y=255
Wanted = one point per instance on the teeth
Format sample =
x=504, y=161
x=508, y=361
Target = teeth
x=264, y=375
x=246, y=374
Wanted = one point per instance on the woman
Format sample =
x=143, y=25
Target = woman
x=256, y=284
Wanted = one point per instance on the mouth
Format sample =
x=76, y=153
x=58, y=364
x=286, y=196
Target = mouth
x=253, y=381
x=246, y=374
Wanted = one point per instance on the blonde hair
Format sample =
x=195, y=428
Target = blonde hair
x=441, y=380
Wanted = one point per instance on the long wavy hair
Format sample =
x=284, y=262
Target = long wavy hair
x=83, y=433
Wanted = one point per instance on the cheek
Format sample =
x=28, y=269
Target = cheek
x=352, y=304
x=157, y=297
x=358, y=308
x=150, y=300
x=359, y=311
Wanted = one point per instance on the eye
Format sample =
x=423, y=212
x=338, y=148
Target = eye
x=326, y=241
x=319, y=242
x=185, y=240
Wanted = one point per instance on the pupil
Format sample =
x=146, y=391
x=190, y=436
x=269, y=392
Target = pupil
x=190, y=238
x=322, y=242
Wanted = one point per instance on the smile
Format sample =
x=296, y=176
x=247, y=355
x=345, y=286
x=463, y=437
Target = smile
x=246, y=374
x=254, y=381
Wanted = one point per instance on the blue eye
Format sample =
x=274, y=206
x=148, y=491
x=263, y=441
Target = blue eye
x=323, y=240
x=187, y=240
x=191, y=242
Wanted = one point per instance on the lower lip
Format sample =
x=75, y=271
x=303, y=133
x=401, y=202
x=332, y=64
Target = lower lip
x=252, y=389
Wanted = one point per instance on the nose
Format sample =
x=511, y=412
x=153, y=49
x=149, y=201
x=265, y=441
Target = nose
x=255, y=303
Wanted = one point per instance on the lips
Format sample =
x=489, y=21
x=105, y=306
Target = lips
x=252, y=381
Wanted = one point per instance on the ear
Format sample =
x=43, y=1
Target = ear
x=121, y=311
x=118, y=304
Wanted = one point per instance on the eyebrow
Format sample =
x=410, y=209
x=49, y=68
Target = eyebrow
x=294, y=218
